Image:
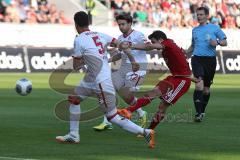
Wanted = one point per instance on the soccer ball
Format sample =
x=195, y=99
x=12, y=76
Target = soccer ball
x=23, y=86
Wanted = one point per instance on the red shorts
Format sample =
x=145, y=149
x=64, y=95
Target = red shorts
x=179, y=86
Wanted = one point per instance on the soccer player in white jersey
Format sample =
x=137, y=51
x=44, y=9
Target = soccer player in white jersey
x=127, y=79
x=89, y=50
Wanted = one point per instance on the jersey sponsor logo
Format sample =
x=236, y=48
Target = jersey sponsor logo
x=11, y=61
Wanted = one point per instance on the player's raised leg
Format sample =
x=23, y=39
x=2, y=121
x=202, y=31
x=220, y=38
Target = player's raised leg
x=161, y=89
x=108, y=105
x=141, y=102
x=180, y=87
x=129, y=98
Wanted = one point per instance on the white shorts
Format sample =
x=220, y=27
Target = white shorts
x=131, y=80
x=104, y=92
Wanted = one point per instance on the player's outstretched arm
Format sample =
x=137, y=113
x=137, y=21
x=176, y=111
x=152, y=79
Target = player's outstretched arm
x=115, y=57
x=112, y=51
x=115, y=43
x=135, y=65
x=147, y=46
x=115, y=54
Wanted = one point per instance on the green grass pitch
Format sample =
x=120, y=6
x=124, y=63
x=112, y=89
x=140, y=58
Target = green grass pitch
x=28, y=126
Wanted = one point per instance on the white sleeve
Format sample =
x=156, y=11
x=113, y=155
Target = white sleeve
x=107, y=38
x=78, y=47
x=141, y=38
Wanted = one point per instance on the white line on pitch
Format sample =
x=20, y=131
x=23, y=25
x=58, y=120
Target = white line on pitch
x=14, y=158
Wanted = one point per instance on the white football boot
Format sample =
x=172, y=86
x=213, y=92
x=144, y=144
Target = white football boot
x=68, y=138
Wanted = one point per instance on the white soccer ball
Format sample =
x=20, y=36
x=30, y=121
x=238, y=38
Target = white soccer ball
x=23, y=86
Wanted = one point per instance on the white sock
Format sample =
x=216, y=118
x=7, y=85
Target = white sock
x=75, y=111
x=147, y=131
x=127, y=125
x=140, y=112
x=105, y=121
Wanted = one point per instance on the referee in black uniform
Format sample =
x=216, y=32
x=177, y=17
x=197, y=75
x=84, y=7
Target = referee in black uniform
x=205, y=38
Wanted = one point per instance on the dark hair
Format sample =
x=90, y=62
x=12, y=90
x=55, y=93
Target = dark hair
x=205, y=9
x=125, y=17
x=81, y=19
x=157, y=35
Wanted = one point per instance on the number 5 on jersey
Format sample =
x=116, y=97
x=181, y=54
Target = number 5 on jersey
x=98, y=44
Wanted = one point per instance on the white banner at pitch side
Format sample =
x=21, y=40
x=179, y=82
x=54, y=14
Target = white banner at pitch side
x=46, y=35
x=35, y=59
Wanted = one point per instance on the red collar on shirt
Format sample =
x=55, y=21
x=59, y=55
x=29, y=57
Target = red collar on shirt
x=85, y=30
x=126, y=35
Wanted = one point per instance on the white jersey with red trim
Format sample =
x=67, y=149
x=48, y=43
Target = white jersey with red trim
x=135, y=37
x=92, y=47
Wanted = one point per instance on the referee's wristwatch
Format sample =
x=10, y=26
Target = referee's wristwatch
x=218, y=42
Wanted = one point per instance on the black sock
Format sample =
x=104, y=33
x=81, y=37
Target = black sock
x=205, y=101
x=198, y=99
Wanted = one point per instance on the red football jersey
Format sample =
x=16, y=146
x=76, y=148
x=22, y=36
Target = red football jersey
x=175, y=59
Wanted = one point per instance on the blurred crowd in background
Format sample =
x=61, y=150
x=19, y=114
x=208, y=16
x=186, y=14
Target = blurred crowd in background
x=150, y=13
x=179, y=13
x=31, y=11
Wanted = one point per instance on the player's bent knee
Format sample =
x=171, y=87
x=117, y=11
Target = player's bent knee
x=110, y=116
x=73, y=99
x=199, y=77
x=199, y=85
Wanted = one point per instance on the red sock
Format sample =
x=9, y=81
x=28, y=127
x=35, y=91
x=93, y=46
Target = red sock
x=158, y=117
x=140, y=103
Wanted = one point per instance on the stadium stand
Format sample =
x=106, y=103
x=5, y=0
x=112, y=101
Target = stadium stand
x=31, y=11
x=148, y=13
x=178, y=13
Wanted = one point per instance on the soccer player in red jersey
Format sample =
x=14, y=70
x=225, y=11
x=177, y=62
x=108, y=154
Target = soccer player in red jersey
x=172, y=87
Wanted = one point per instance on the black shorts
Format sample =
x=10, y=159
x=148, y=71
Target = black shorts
x=204, y=67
